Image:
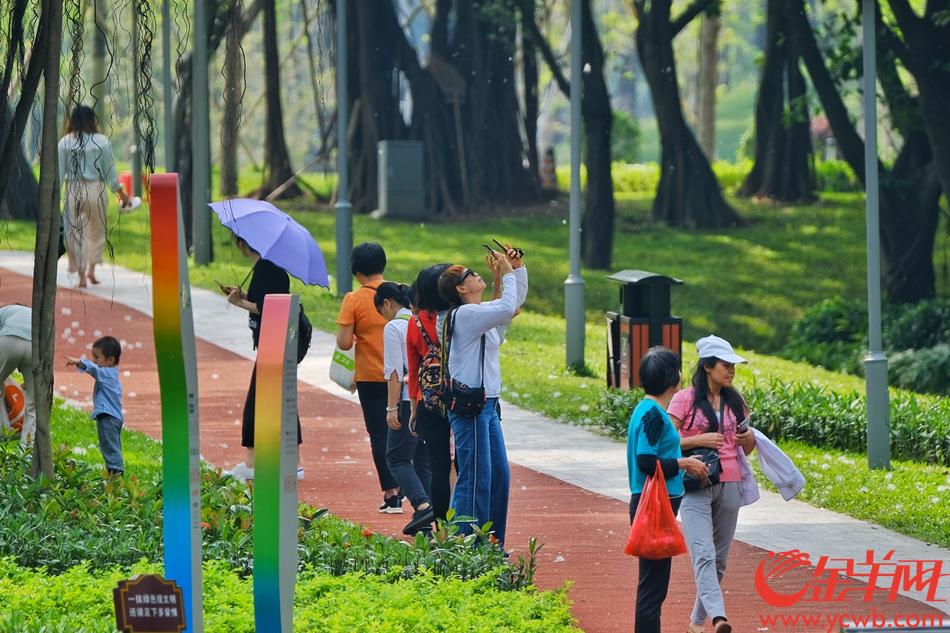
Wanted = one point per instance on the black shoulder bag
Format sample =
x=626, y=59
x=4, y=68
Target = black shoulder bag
x=709, y=456
x=459, y=398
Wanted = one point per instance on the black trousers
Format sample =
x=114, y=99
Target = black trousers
x=373, y=398
x=247, y=421
x=654, y=581
x=434, y=429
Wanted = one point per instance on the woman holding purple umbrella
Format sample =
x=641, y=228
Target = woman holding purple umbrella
x=266, y=278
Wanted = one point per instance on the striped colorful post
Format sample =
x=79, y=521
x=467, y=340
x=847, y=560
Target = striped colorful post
x=177, y=376
x=275, y=466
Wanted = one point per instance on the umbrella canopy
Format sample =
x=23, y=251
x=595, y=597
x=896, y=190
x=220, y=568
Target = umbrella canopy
x=276, y=236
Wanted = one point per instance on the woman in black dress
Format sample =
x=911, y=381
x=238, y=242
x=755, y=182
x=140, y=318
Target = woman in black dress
x=266, y=278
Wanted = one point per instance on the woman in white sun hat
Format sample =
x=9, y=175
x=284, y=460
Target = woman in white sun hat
x=710, y=413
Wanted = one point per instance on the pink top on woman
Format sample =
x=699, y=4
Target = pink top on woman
x=680, y=407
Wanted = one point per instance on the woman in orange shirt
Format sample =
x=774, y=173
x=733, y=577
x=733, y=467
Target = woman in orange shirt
x=362, y=324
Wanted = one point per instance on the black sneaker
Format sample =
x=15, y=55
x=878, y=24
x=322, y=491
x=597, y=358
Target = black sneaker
x=391, y=505
x=420, y=519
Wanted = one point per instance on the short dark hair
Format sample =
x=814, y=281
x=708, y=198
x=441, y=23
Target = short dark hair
x=427, y=284
x=659, y=370
x=392, y=291
x=83, y=120
x=109, y=346
x=368, y=258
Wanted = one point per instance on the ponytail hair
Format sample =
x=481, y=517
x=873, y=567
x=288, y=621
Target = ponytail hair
x=394, y=292
x=449, y=281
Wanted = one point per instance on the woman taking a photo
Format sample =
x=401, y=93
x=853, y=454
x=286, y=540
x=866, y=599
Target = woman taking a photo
x=473, y=335
x=652, y=438
x=86, y=166
x=709, y=414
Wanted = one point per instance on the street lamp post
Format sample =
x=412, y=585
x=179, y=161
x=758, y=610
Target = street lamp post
x=344, y=211
x=875, y=363
x=574, y=284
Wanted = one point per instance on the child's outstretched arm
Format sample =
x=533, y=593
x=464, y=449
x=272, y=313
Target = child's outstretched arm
x=83, y=365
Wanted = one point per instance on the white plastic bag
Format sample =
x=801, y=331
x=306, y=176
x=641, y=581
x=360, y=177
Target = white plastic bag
x=342, y=364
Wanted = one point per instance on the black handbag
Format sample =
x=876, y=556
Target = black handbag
x=459, y=398
x=709, y=456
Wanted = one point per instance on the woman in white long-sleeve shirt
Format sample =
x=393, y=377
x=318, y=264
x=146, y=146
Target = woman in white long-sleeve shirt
x=481, y=490
x=86, y=166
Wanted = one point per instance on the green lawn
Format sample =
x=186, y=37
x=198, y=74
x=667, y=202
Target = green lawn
x=748, y=285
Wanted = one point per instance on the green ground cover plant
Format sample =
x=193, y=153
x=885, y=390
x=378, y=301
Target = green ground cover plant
x=82, y=515
x=80, y=601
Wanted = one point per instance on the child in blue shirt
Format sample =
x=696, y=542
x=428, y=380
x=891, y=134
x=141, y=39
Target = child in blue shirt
x=106, y=398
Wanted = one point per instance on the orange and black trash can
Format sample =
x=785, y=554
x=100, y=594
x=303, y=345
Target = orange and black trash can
x=644, y=321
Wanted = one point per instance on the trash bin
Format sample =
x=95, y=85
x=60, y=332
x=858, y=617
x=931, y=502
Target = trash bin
x=644, y=321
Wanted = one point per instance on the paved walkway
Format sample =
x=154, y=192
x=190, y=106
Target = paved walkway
x=568, y=485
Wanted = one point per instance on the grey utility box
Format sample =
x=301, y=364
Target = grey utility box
x=401, y=180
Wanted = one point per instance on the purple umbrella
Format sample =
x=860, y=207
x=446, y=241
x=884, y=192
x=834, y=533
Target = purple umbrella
x=276, y=236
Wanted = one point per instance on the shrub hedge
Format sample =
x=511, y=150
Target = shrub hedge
x=80, y=601
x=643, y=177
x=810, y=413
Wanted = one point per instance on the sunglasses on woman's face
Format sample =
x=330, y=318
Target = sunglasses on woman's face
x=468, y=273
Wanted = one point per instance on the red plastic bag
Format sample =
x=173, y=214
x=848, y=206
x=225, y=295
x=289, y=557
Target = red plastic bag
x=654, y=533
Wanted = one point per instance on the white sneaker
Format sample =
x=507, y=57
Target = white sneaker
x=299, y=473
x=241, y=472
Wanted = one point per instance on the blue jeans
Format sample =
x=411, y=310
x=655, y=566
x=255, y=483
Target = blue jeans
x=408, y=458
x=481, y=490
x=110, y=442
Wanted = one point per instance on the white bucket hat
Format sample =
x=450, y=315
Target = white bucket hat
x=715, y=347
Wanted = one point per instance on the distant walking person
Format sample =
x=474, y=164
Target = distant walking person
x=86, y=166
x=16, y=352
x=361, y=324
x=652, y=438
x=474, y=335
x=708, y=414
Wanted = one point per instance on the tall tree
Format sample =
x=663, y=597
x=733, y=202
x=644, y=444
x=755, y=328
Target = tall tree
x=276, y=157
x=465, y=107
x=597, y=225
x=22, y=193
x=46, y=53
x=910, y=189
x=233, y=95
x=783, y=168
x=219, y=17
x=529, y=66
x=688, y=193
x=707, y=78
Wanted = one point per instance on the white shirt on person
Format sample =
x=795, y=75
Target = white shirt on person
x=492, y=319
x=395, y=357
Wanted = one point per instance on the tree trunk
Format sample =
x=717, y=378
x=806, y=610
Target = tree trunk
x=47, y=236
x=783, y=156
x=708, y=79
x=909, y=191
x=219, y=16
x=529, y=56
x=688, y=193
x=231, y=117
x=22, y=193
x=276, y=157
x=597, y=225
